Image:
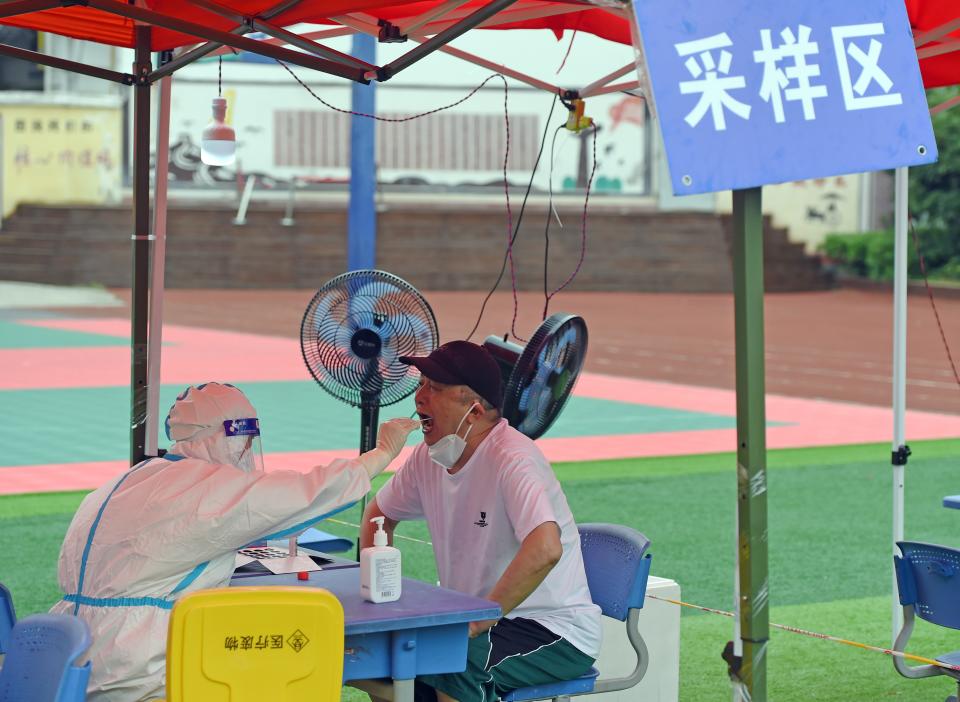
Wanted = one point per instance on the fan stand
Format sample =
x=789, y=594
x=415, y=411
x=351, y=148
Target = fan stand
x=352, y=333
x=369, y=421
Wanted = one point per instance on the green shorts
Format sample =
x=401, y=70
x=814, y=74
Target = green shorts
x=514, y=653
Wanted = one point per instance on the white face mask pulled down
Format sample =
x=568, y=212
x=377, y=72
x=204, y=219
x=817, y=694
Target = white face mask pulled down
x=449, y=448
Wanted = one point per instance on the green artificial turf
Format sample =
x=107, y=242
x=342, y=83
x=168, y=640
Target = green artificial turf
x=829, y=532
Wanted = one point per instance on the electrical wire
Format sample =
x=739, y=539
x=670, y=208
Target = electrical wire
x=583, y=231
x=933, y=304
x=378, y=118
x=567, y=55
x=516, y=230
x=511, y=230
x=550, y=213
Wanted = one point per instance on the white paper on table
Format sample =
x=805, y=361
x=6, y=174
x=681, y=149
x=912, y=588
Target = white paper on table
x=242, y=560
x=290, y=564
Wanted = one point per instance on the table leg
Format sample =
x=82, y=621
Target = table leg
x=403, y=690
x=386, y=690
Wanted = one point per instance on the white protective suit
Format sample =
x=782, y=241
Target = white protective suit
x=172, y=525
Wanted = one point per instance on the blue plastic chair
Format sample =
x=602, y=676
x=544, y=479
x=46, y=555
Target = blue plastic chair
x=8, y=617
x=928, y=578
x=617, y=564
x=41, y=664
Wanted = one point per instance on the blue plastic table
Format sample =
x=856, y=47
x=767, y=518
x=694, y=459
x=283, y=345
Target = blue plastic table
x=952, y=501
x=425, y=631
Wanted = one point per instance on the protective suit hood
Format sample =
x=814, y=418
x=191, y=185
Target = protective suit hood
x=215, y=422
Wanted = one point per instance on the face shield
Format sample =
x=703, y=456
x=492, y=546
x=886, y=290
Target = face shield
x=243, y=442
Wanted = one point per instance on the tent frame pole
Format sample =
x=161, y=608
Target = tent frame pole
x=937, y=33
x=236, y=41
x=752, y=545
x=66, y=64
x=142, y=238
x=899, y=448
x=260, y=24
x=440, y=39
x=12, y=8
x=413, y=24
x=946, y=47
x=588, y=90
x=493, y=66
x=624, y=87
x=520, y=12
x=187, y=57
x=158, y=263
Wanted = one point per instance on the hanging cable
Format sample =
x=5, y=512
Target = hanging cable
x=378, y=118
x=516, y=230
x=583, y=230
x=220, y=76
x=567, y=55
x=933, y=304
x=511, y=232
x=550, y=213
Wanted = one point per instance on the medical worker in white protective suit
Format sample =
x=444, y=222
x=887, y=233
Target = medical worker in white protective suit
x=172, y=525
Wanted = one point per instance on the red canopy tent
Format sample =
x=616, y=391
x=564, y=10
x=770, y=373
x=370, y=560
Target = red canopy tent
x=210, y=25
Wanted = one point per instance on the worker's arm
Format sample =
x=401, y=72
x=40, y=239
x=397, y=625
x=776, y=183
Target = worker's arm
x=235, y=508
x=539, y=552
x=367, y=528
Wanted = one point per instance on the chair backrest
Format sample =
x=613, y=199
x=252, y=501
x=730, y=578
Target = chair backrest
x=617, y=564
x=40, y=665
x=240, y=644
x=928, y=577
x=8, y=618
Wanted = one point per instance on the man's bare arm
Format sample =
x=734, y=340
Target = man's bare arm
x=367, y=529
x=539, y=553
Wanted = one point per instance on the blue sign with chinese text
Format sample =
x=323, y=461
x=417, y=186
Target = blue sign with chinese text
x=750, y=92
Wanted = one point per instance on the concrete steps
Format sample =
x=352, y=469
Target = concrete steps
x=440, y=246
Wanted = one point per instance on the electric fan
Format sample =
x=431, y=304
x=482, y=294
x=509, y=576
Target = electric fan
x=353, y=332
x=539, y=377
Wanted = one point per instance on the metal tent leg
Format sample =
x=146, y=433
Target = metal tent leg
x=900, y=452
x=139, y=283
x=158, y=265
x=751, y=439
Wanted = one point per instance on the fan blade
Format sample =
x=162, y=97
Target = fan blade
x=370, y=302
x=412, y=334
x=321, y=309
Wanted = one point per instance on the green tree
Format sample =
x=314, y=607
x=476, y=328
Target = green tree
x=935, y=191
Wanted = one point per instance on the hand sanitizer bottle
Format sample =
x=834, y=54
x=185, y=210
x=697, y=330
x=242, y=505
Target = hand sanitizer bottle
x=380, y=568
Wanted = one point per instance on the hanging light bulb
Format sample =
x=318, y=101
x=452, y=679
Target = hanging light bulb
x=218, y=145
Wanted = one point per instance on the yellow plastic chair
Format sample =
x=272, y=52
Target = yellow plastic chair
x=252, y=644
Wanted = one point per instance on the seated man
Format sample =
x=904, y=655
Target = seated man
x=501, y=529
x=172, y=525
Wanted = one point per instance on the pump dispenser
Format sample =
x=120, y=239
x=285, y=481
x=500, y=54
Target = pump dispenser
x=380, y=568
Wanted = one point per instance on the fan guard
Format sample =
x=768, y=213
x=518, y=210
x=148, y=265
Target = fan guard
x=539, y=378
x=355, y=329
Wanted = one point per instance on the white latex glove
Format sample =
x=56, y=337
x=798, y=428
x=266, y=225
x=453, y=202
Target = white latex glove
x=391, y=438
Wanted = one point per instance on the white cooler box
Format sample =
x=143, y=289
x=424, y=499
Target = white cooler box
x=660, y=627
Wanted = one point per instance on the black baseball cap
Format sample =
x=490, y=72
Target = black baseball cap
x=462, y=363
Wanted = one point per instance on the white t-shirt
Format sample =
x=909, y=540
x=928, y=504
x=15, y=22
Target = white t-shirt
x=478, y=518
